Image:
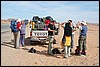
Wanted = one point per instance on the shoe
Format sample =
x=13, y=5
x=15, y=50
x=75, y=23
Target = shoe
x=23, y=45
x=79, y=54
x=84, y=53
x=65, y=57
x=62, y=50
x=14, y=47
x=17, y=47
x=70, y=55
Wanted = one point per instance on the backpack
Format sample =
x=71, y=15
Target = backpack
x=32, y=50
x=35, y=19
x=63, y=40
x=56, y=51
x=13, y=26
x=49, y=18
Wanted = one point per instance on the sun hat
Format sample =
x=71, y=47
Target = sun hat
x=19, y=20
x=84, y=22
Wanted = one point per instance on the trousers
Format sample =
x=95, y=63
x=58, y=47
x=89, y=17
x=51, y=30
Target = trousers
x=16, y=39
x=22, y=39
x=50, y=46
x=82, y=43
x=66, y=51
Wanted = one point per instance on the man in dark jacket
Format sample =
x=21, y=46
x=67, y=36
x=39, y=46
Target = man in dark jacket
x=51, y=31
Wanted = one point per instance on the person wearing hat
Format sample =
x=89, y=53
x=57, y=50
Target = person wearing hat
x=82, y=37
x=22, y=33
x=16, y=26
x=51, y=31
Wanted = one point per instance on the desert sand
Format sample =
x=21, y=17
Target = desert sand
x=21, y=57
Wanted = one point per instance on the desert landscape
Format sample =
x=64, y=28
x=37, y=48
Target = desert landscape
x=21, y=57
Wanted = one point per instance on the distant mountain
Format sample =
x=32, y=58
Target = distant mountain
x=94, y=24
x=7, y=20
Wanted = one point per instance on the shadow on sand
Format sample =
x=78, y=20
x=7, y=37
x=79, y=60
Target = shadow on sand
x=8, y=44
x=27, y=43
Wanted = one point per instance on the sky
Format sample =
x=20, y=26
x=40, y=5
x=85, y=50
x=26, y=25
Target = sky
x=61, y=11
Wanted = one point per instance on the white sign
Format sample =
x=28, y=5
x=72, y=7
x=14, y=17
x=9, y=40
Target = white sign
x=39, y=33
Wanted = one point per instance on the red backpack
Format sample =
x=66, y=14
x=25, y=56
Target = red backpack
x=18, y=25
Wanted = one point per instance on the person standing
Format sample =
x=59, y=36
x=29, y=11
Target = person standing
x=82, y=38
x=15, y=28
x=67, y=45
x=51, y=31
x=67, y=39
x=22, y=33
x=63, y=38
x=73, y=26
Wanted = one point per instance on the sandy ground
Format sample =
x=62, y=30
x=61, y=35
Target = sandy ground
x=21, y=57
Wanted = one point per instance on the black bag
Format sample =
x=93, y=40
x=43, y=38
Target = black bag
x=63, y=40
x=56, y=51
x=32, y=50
x=49, y=18
x=35, y=19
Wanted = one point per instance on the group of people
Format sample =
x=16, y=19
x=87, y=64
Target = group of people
x=67, y=40
x=68, y=37
x=18, y=27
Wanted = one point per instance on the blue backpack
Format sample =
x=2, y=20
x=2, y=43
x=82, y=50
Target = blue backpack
x=13, y=26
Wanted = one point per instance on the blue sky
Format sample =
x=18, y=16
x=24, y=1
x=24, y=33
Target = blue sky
x=61, y=11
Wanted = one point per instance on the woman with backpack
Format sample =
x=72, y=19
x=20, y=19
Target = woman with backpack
x=15, y=28
x=67, y=36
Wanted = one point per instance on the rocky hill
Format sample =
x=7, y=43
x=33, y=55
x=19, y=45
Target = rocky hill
x=7, y=20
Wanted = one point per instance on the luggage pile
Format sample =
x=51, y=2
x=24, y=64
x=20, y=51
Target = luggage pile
x=40, y=22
